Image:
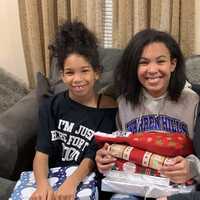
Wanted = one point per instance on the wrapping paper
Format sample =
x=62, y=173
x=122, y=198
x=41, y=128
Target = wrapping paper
x=26, y=185
x=122, y=165
x=138, y=156
x=166, y=144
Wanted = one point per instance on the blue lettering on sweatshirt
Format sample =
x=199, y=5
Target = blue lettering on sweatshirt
x=157, y=123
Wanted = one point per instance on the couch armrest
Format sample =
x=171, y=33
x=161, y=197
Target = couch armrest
x=18, y=129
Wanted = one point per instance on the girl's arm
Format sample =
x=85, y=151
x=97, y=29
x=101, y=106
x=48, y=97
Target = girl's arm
x=68, y=188
x=86, y=167
x=40, y=168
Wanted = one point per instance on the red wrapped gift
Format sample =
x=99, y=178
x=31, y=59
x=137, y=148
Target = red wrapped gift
x=123, y=165
x=138, y=156
x=166, y=144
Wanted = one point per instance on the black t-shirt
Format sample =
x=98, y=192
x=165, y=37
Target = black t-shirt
x=66, y=129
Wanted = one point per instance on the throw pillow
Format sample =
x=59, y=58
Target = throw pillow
x=47, y=88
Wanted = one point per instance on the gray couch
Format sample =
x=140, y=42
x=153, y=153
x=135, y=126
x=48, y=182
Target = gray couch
x=19, y=124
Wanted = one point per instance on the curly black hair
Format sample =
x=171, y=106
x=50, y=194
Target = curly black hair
x=75, y=37
x=126, y=78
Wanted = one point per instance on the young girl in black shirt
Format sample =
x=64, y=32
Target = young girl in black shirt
x=69, y=119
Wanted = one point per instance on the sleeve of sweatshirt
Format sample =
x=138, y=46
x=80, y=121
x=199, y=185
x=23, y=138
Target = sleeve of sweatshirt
x=194, y=164
x=196, y=137
x=194, y=160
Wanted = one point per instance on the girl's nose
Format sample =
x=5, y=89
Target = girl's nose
x=77, y=77
x=152, y=68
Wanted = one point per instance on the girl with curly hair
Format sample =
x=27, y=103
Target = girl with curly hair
x=69, y=119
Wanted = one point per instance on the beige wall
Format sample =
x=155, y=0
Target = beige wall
x=11, y=51
x=197, y=26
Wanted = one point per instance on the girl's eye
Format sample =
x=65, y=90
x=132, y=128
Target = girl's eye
x=161, y=61
x=85, y=70
x=68, y=73
x=143, y=63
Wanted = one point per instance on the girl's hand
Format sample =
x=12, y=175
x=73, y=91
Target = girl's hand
x=67, y=190
x=178, y=171
x=104, y=160
x=43, y=192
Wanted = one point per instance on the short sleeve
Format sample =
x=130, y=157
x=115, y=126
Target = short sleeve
x=91, y=150
x=43, y=137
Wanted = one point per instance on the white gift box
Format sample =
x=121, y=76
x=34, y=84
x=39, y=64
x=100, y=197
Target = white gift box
x=141, y=185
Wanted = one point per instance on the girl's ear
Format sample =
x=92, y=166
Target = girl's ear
x=97, y=74
x=173, y=64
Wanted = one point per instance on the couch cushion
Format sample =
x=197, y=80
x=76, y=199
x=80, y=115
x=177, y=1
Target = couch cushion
x=21, y=123
x=18, y=128
x=6, y=187
x=193, y=69
x=8, y=150
x=11, y=90
x=108, y=59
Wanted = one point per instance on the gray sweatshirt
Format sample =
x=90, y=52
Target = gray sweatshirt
x=162, y=114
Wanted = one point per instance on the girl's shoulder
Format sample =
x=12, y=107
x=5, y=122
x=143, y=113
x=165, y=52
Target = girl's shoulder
x=107, y=102
x=122, y=102
x=189, y=94
x=54, y=101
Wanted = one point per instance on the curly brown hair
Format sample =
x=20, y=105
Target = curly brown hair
x=75, y=37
